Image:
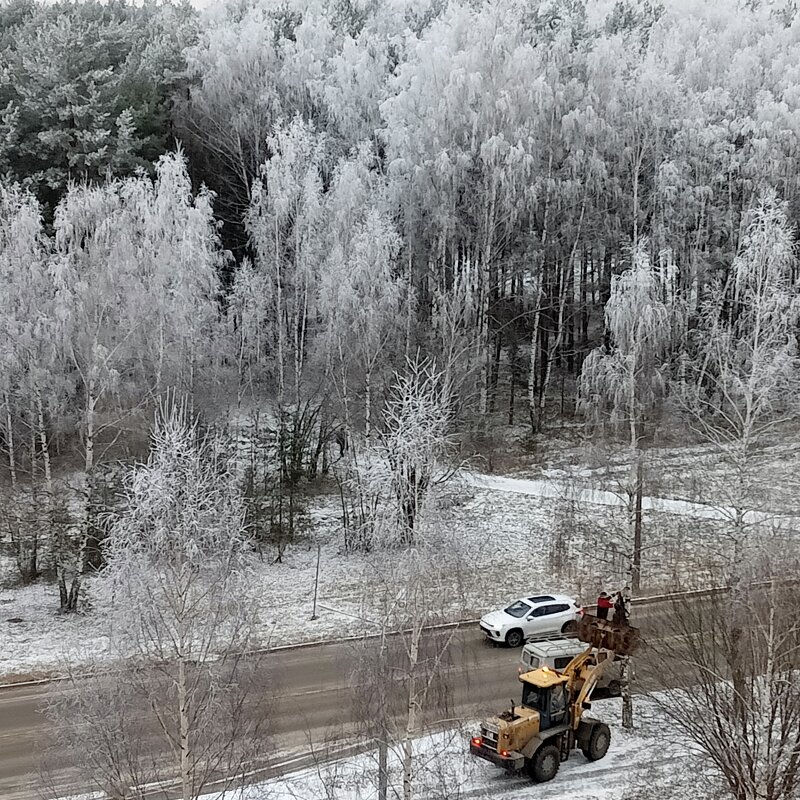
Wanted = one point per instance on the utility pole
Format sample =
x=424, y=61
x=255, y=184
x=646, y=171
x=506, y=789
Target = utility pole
x=316, y=584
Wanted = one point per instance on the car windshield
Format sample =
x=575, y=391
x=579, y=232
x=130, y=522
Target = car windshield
x=518, y=609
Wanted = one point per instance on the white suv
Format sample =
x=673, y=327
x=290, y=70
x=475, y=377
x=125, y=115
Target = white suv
x=537, y=615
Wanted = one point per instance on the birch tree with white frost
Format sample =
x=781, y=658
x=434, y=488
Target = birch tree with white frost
x=402, y=678
x=625, y=382
x=135, y=290
x=179, y=593
x=743, y=380
x=415, y=440
x=360, y=294
x=32, y=383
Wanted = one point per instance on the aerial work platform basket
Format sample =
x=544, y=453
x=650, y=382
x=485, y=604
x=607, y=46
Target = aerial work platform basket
x=621, y=638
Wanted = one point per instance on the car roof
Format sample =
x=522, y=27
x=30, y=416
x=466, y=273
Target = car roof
x=552, y=648
x=538, y=599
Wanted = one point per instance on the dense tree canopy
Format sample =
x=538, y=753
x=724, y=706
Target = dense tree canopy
x=359, y=183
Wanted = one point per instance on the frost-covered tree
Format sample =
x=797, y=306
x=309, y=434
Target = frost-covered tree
x=75, y=112
x=170, y=234
x=624, y=381
x=179, y=594
x=233, y=101
x=135, y=285
x=415, y=440
x=748, y=728
x=743, y=378
x=285, y=223
x=360, y=294
x=402, y=677
x=32, y=378
x=743, y=381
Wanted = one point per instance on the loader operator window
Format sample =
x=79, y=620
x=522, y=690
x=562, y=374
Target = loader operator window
x=533, y=697
x=558, y=705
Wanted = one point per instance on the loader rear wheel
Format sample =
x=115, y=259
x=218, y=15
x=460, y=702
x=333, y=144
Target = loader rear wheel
x=615, y=688
x=599, y=740
x=514, y=638
x=544, y=764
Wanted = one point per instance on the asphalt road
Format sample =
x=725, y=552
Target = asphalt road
x=313, y=704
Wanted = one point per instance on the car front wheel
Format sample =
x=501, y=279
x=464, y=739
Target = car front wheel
x=514, y=638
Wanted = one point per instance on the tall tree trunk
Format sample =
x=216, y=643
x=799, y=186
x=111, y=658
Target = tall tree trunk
x=56, y=529
x=24, y=537
x=279, y=320
x=533, y=363
x=368, y=404
x=183, y=740
x=383, y=767
x=495, y=371
x=565, y=286
x=636, y=570
x=87, y=522
x=12, y=460
x=532, y=405
x=512, y=389
x=411, y=721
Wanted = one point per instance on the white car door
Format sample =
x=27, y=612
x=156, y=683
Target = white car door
x=553, y=616
x=562, y=614
x=536, y=622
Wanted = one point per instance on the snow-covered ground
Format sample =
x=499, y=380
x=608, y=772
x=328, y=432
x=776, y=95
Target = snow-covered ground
x=443, y=769
x=644, y=763
x=499, y=544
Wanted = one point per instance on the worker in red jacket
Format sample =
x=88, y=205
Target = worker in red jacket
x=604, y=605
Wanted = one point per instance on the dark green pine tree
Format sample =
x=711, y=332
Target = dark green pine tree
x=86, y=89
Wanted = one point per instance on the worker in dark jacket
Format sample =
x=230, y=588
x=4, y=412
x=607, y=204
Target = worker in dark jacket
x=620, y=609
x=604, y=605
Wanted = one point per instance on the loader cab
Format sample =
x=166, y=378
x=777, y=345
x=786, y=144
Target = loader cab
x=545, y=692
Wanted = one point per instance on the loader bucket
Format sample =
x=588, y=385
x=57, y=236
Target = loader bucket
x=621, y=639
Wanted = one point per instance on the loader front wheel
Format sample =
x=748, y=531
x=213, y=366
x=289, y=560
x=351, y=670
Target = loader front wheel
x=599, y=740
x=544, y=764
x=514, y=638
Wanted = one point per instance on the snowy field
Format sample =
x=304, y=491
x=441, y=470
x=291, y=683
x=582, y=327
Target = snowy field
x=497, y=542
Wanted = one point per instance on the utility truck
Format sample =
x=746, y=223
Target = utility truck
x=540, y=732
x=556, y=653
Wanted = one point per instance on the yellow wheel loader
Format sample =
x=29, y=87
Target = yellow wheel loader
x=540, y=732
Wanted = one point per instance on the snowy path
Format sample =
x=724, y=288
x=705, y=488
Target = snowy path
x=603, y=497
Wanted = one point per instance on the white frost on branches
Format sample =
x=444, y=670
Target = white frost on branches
x=179, y=556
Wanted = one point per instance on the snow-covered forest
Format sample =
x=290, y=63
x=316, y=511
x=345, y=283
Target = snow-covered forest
x=282, y=280
x=552, y=210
